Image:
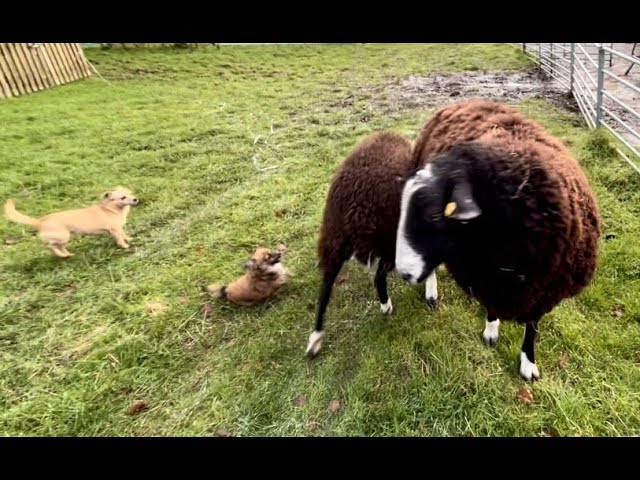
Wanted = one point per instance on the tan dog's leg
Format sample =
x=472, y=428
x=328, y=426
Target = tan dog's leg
x=59, y=250
x=56, y=240
x=119, y=235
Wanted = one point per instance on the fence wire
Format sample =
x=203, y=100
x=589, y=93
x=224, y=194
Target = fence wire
x=604, y=79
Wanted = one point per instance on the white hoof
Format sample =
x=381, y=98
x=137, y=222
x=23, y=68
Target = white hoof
x=315, y=342
x=528, y=371
x=490, y=334
x=431, y=290
x=386, y=308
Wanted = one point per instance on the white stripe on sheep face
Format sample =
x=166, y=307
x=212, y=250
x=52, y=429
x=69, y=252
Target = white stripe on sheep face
x=409, y=263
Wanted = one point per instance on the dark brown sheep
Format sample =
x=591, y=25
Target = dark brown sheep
x=361, y=217
x=506, y=208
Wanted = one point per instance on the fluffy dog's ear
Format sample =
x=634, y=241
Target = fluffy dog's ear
x=249, y=264
x=106, y=194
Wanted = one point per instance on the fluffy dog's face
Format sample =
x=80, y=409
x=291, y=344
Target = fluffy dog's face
x=120, y=197
x=262, y=259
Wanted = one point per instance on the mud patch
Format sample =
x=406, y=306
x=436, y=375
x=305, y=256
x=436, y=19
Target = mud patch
x=433, y=91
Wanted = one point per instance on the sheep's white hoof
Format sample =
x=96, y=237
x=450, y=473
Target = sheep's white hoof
x=432, y=302
x=431, y=290
x=386, y=308
x=315, y=342
x=490, y=334
x=528, y=371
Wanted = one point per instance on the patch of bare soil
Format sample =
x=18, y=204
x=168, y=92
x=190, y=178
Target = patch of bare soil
x=434, y=91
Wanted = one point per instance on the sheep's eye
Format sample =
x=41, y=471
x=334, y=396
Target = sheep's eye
x=123, y=198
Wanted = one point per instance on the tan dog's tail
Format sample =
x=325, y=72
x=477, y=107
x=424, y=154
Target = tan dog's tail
x=15, y=216
x=217, y=291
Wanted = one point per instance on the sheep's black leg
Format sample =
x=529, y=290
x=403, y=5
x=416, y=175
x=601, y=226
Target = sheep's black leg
x=315, y=339
x=381, y=286
x=491, y=328
x=528, y=367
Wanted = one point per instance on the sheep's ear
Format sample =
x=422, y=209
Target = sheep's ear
x=462, y=205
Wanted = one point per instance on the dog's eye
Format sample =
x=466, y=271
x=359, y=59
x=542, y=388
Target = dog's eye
x=123, y=198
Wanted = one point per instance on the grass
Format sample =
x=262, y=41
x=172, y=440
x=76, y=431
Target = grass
x=80, y=342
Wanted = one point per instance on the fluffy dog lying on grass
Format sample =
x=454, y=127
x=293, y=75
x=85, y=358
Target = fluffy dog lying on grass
x=264, y=277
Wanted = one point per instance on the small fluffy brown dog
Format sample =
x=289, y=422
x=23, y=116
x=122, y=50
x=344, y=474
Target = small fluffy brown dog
x=264, y=276
x=55, y=229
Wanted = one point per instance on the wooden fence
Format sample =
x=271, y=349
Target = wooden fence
x=30, y=67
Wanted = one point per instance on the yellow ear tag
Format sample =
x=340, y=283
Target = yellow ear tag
x=449, y=209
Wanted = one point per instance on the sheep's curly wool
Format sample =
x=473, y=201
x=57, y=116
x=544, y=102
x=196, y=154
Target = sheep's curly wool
x=538, y=240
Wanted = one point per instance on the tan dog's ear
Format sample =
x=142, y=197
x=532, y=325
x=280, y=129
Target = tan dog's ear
x=249, y=264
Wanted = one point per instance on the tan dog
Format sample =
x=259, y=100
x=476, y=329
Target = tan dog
x=264, y=276
x=55, y=229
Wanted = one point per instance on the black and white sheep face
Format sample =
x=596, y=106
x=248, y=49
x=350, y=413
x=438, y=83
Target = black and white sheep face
x=433, y=204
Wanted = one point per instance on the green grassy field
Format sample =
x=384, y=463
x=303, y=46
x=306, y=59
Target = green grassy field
x=83, y=340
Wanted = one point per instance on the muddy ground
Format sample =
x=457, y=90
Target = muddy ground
x=432, y=91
